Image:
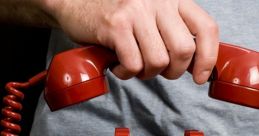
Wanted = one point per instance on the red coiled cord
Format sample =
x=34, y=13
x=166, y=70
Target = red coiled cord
x=10, y=116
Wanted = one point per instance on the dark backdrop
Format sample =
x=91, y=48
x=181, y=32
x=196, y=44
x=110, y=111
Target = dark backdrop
x=22, y=55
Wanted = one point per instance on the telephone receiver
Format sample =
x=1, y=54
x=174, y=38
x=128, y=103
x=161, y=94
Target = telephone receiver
x=78, y=75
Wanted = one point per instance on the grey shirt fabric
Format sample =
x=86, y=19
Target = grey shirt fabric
x=160, y=107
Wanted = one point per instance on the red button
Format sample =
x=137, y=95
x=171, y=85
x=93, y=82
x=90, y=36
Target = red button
x=193, y=133
x=122, y=132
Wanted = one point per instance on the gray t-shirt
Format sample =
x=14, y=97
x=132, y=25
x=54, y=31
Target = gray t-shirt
x=160, y=107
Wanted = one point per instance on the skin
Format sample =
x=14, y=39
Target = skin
x=149, y=37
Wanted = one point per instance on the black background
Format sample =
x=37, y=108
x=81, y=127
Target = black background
x=22, y=55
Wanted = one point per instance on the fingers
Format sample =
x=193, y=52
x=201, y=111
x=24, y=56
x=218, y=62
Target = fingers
x=206, y=31
x=160, y=40
x=145, y=58
x=153, y=50
x=178, y=40
x=128, y=54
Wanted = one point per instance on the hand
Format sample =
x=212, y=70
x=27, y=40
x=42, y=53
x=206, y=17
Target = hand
x=149, y=37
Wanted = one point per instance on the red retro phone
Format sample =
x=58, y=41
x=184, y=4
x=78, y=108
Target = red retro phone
x=78, y=75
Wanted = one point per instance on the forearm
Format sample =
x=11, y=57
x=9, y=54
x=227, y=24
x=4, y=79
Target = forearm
x=25, y=12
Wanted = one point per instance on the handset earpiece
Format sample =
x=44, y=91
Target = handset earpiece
x=77, y=75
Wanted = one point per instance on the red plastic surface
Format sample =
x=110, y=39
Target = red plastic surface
x=122, y=132
x=236, y=76
x=76, y=93
x=193, y=133
x=77, y=75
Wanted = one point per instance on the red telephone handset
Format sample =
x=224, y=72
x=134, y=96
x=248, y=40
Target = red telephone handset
x=78, y=75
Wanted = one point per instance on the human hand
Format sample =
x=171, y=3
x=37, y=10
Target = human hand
x=149, y=37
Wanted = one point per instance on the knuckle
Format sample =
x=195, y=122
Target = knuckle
x=212, y=27
x=185, y=51
x=117, y=21
x=159, y=62
x=134, y=67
